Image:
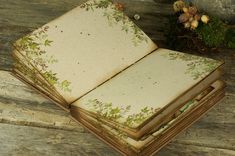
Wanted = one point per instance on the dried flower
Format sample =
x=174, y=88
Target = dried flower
x=192, y=10
x=194, y=24
x=187, y=25
x=184, y=18
x=205, y=19
x=191, y=19
x=119, y=6
x=197, y=17
x=178, y=5
x=185, y=9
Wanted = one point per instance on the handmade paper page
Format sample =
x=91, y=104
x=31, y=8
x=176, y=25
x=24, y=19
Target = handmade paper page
x=192, y=108
x=141, y=91
x=31, y=76
x=85, y=47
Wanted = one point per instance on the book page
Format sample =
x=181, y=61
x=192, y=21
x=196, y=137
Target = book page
x=85, y=47
x=144, y=89
x=194, y=106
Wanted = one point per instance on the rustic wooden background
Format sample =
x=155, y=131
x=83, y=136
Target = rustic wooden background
x=32, y=125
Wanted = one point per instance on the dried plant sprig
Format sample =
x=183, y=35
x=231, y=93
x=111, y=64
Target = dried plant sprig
x=178, y=5
x=205, y=19
x=189, y=15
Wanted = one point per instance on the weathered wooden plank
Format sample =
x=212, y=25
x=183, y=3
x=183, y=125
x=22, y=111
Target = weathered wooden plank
x=14, y=90
x=28, y=141
x=21, y=105
x=174, y=149
x=206, y=134
x=13, y=113
x=223, y=112
x=38, y=141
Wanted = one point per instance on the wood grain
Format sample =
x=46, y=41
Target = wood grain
x=32, y=125
x=28, y=141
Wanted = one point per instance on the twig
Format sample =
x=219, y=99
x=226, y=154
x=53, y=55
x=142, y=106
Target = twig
x=230, y=26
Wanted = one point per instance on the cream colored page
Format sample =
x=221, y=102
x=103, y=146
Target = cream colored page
x=85, y=47
x=154, y=136
x=139, y=92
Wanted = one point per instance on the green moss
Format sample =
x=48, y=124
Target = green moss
x=230, y=38
x=205, y=38
x=213, y=33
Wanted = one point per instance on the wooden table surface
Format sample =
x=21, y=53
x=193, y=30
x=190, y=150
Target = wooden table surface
x=31, y=125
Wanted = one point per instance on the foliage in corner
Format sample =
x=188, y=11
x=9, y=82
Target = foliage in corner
x=115, y=15
x=197, y=67
x=33, y=47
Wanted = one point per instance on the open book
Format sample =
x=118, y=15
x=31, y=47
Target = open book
x=96, y=63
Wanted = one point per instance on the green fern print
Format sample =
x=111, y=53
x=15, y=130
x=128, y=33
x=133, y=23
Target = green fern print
x=197, y=67
x=110, y=112
x=115, y=16
x=32, y=46
x=146, y=112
